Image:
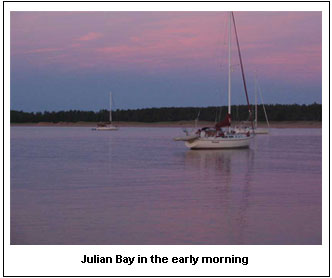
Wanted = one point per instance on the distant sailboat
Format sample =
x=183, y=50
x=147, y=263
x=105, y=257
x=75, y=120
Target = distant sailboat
x=222, y=136
x=107, y=125
x=244, y=128
x=260, y=130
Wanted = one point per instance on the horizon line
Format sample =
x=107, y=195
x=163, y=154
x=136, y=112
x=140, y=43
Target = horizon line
x=163, y=107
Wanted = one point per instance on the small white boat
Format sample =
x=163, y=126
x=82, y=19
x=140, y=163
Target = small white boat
x=261, y=130
x=245, y=127
x=107, y=126
x=256, y=130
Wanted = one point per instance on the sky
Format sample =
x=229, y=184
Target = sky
x=72, y=60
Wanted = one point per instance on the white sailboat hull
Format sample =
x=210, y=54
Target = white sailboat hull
x=257, y=130
x=220, y=143
x=261, y=131
x=186, y=138
x=106, y=128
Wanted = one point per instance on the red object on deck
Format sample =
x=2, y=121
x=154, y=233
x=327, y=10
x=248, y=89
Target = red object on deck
x=225, y=122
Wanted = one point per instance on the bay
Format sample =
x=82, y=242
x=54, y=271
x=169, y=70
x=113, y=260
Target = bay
x=72, y=185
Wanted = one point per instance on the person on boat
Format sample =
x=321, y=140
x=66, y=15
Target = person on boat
x=220, y=134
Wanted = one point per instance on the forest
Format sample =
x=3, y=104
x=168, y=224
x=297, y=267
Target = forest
x=275, y=112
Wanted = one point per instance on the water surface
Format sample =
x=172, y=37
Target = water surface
x=71, y=185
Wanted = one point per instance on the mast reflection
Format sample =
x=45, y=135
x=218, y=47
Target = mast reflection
x=230, y=172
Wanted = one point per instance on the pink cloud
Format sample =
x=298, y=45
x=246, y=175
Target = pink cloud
x=167, y=43
x=280, y=44
x=74, y=45
x=90, y=36
x=43, y=50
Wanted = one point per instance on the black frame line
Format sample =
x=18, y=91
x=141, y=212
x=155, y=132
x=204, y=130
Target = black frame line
x=3, y=127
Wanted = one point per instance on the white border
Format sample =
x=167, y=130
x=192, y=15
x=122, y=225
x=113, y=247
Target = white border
x=263, y=260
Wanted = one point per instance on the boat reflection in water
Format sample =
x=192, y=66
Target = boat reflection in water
x=221, y=161
x=226, y=181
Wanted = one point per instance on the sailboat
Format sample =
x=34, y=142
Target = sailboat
x=222, y=135
x=107, y=125
x=256, y=130
x=260, y=130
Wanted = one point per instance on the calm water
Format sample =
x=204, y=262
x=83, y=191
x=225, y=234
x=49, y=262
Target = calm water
x=137, y=186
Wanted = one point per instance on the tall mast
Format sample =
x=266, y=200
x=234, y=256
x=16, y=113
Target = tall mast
x=260, y=94
x=242, y=70
x=229, y=61
x=256, y=116
x=110, y=106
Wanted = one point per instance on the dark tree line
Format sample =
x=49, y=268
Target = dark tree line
x=275, y=112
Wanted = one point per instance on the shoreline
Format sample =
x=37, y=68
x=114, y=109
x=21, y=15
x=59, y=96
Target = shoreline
x=183, y=124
